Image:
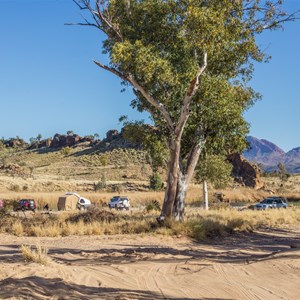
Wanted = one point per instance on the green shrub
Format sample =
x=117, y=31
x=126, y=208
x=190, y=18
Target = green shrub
x=66, y=151
x=101, y=184
x=153, y=205
x=15, y=188
x=156, y=182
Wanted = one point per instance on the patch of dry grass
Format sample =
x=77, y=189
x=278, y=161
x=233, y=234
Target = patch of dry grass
x=199, y=224
x=38, y=254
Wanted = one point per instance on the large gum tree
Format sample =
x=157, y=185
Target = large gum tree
x=185, y=60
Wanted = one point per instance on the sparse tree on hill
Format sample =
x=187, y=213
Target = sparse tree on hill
x=176, y=55
x=32, y=140
x=39, y=137
x=70, y=132
x=282, y=173
x=96, y=136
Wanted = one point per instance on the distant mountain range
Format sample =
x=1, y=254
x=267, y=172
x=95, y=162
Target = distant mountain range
x=268, y=155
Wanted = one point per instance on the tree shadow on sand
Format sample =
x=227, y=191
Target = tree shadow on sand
x=237, y=249
x=37, y=288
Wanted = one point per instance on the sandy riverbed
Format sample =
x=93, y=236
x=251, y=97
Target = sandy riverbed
x=261, y=265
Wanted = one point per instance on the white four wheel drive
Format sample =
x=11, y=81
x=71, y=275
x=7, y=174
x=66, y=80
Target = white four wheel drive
x=119, y=202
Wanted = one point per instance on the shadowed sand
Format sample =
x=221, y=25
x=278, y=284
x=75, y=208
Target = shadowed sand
x=261, y=265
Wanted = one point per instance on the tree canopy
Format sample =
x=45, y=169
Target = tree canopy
x=189, y=63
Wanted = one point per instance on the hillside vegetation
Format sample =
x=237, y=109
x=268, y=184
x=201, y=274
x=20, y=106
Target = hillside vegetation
x=98, y=169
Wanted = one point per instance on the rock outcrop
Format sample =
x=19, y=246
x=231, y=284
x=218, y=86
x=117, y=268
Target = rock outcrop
x=13, y=169
x=14, y=143
x=244, y=172
x=113, y=140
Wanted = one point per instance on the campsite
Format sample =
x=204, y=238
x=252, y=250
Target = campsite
x=148, y=151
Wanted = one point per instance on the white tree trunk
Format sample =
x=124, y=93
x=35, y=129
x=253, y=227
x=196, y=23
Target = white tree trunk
x=205, y=194
x=185, y=177
x=179, y=205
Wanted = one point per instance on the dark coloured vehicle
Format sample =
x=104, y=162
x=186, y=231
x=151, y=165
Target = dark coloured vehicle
x=26, y=204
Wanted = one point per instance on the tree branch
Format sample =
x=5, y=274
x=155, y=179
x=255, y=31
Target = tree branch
x=107, y=22
x=158, y=105
x=184, y=113
x=129, y=78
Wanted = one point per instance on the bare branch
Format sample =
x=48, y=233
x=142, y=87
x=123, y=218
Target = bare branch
x=112, y=70
x=158, y=105
x=107, y=22
x=129, y=78
x=78, y=4
x=81, y=24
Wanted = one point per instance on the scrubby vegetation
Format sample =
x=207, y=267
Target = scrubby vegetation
x=199, y=224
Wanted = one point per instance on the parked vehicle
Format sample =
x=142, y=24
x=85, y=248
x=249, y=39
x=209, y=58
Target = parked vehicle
x=280, y=202
x=271, y=202
x=1, y=204
x=119, y=202
x=26, y=204
x=82, y=203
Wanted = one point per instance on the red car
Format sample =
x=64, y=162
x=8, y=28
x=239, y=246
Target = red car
x=26, y=204
x=1, y=204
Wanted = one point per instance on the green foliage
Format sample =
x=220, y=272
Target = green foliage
x=101, y=184
x=32, y=140
x=70, y=132
x=96, y=136
x=25, y=188
x=66, y=151
x=39, y=137
x=282, y=173
x=189, y=63
x=104, y=160
x=151, y=140
x=156, y=183
x=2, y=145
x=15, y=188
x=153, y=205
x=214, y=169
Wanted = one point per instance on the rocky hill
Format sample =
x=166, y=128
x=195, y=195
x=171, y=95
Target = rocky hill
x=72, y=157
x=268, y=155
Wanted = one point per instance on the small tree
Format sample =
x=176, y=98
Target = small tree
x=214, y=169
x=32, y=141
x=282, y=173
x=156, y=183
x=39, y=137
x=70, y=132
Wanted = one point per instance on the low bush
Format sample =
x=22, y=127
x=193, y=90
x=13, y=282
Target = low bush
x=93, y=215
x=153, y=205
x=156, y=183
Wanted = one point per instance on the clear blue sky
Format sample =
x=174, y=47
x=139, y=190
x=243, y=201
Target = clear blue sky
x=49, y=84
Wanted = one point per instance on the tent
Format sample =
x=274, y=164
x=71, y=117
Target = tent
x=67, y=202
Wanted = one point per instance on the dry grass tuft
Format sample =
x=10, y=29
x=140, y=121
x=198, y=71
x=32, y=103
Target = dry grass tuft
x=38, y=255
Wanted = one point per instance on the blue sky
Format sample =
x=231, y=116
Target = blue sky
x=49, y=84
